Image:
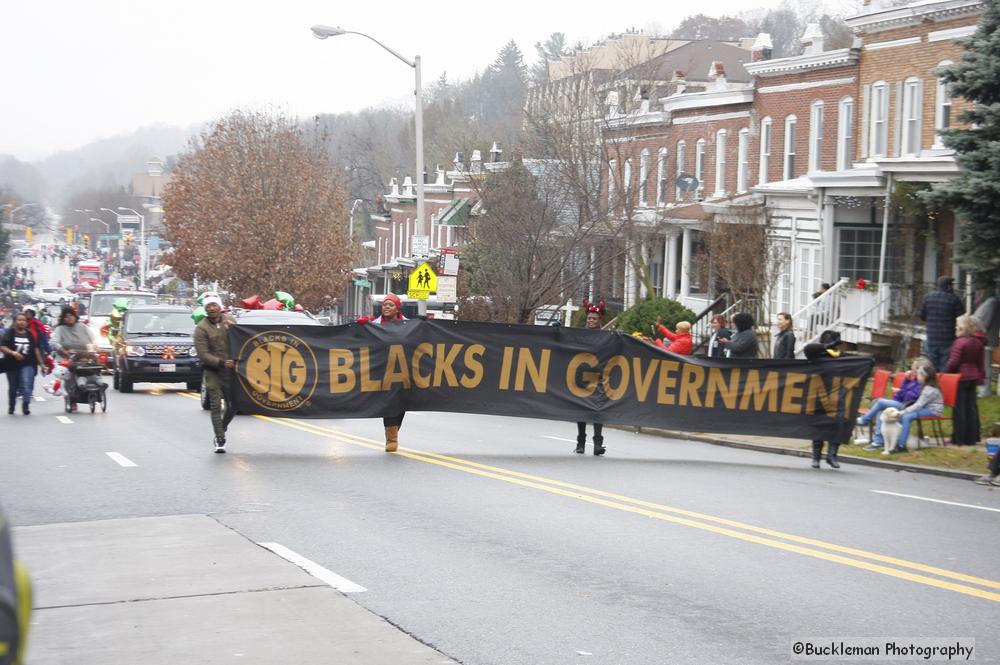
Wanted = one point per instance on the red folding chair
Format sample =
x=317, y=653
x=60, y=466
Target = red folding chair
x=880, y=381
x=948, y=383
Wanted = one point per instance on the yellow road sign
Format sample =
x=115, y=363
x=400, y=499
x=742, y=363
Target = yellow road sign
x=423, y=280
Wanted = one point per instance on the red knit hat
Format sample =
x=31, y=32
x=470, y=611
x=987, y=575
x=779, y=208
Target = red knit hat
x=393, y=298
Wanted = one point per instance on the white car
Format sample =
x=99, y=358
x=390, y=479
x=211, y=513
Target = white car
x=55, y=296
x=24, y=253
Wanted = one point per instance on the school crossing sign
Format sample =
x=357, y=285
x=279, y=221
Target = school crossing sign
x=423, y=281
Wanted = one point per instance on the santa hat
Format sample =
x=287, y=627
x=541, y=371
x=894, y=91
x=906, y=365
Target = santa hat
x=211, y=299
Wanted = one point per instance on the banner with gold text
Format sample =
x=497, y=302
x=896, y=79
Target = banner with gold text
x=362, y=371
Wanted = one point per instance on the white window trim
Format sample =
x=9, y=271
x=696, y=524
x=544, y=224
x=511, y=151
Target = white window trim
x=627, y=183
x=912, y=108
x=661, y=176
x=788, y=166
x=845, y=133
x=816, y=121
x=643, y=177
x=699, y=163
x=720, y=163
x=681, y=158
x=943, y=96
x=877, y=110
x=766, y=145
x=612, y=166
x=743, y=161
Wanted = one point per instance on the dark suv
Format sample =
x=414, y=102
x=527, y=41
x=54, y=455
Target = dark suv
x=156, y=344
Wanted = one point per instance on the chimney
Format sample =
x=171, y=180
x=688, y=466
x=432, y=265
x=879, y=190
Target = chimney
x=679, y=82
x=393, y=187
x=476, y=163
x=812, y=40
x=717, y=73
x=439, y=179
x=459, y=162
x=762, y=47
x=495, y=153
x=407, y=186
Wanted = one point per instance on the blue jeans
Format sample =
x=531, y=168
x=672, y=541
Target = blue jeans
x=878, y=407
x=20, y=380
x=938, y=354
x=906, y=421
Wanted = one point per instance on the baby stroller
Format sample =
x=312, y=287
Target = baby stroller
x=85, y=386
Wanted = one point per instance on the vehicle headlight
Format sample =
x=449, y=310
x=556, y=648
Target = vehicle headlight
x=135, y=351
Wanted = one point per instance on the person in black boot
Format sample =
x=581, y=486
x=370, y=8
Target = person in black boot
x=827, y=348
x=594, y=315
x=831, y=454
x=817, y=453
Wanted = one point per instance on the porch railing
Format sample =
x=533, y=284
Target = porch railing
x=821, y=313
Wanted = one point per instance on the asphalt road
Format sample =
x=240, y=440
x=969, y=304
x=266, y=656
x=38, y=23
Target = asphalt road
x=488, y=539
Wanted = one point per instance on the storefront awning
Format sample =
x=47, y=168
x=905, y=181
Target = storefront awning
x=456, y=214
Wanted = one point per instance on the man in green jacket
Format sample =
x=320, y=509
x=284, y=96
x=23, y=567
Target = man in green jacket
x=211, y=340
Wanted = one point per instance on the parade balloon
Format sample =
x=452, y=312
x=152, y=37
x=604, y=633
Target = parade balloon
x=273, y=304
x=285, y=299
x=298, y=308
x=251, y=303
x=198, y=315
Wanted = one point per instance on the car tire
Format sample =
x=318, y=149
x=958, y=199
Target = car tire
x=125, y=385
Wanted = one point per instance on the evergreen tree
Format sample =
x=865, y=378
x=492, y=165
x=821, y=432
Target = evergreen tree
x=552, y=49
x=974, y=195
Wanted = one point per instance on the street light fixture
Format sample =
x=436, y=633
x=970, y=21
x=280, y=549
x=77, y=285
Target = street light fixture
x=143, y=250
x=324, y=31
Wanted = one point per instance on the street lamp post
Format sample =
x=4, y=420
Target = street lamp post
x=143, y=250
x=324, y=31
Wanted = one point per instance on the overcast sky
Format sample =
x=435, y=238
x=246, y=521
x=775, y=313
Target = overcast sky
x=76, y=70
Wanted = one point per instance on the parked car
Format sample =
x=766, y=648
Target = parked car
x=156, y=344
x=24, y=253
x=80, y=288
x=51, y=295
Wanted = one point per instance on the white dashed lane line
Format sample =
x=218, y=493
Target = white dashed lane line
x=949, y=503
x=121, y=459
x=339, y=583
x=64, y=420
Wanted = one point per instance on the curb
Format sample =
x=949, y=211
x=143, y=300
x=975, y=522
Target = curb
x=794, y=452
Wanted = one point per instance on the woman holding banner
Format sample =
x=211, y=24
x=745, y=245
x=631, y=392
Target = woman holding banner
x=392, y=314
x=594, y=315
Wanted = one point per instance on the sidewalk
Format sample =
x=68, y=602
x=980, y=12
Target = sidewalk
x=186, y=589
x=798, y=448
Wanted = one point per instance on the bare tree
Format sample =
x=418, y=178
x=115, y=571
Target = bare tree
x=257, y=208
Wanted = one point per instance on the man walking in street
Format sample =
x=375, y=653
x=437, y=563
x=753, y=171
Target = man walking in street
x=211, y=339
x=939, y=311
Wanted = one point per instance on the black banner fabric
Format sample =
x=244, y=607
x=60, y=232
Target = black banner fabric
x=362, y=371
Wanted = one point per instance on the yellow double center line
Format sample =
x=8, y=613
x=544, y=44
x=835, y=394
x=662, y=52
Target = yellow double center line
x=870, y=561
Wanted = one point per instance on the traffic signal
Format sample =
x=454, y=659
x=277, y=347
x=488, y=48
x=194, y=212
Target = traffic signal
x=69, y=236
x=27, y=234
x=86, y=239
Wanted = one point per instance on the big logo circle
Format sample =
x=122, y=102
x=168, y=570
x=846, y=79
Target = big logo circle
x=279, y=370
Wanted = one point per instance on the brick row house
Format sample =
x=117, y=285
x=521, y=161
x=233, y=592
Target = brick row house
x=825, y=148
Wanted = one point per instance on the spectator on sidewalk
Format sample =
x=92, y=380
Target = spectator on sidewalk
x=939, y=311
x=719, y=332
x=744, y=343
x=784, y=342
x=907, y=394
x=680, y=341
x=929, y=403
x=988, y=317
x=967, y=360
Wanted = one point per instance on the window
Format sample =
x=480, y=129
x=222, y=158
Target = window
x=612, y=167
x=879, y=120
x=858, y=254
x=912, y=103
x=942, y=113
x=810, y=272
x=643, y=176
x=720, y=162
x=765, y=149
x=681, y=156
x=743, y=159
x=816, y=137
x=789, y=167
x=627, y=183
x=661, y=176
x=699, y=164
x=845, y=134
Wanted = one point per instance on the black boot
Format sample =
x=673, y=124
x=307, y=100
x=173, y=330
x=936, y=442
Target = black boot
x=817, y=453
x=831, y=454
x=581, y=442
x=599, y=445
x=10, y=407
x=25, y=409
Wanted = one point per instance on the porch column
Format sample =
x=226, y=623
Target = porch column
x=644, y=252
x=686, y=264
x=629, y=286
x=670, y=265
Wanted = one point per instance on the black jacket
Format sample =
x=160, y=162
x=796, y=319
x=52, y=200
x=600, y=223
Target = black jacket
x=784, y=346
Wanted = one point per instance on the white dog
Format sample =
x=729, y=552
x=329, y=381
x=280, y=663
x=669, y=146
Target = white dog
x=891, y=429
x=59, y=376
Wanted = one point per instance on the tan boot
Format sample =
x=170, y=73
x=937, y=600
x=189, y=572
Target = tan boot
x=391, y=438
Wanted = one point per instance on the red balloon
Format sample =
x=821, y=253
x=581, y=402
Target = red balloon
x=251, y=303
x=298, y=308
x=273, y=304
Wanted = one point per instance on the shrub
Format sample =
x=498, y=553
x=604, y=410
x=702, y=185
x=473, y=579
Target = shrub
x=642, y=316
